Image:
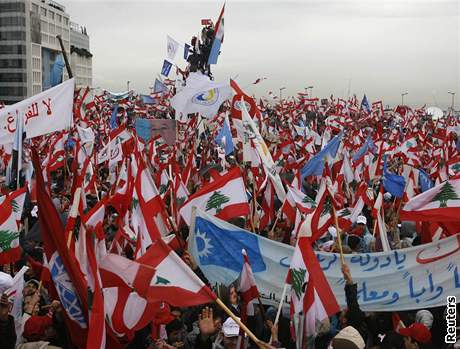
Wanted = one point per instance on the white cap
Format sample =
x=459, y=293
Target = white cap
x=6, y=281
x=230, y=328
x=387, y=196
x=349, y=335
x=332, y=231
x=361, y=219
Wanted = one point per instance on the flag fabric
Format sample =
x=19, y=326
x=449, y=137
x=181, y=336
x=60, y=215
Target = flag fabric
x=18, y=145
x=186, y=50
x=225, y=198
x=113, y=118
x=57, y=70
x=310, y=291
x=159, y=275
x=15, y=296
x=438, y=204
x=172, y=46
x=159, y=87
x=252, y=132
x=166, y=68
x=315, y=166
x=46, y=112
x=218, y=39
x=394, y=184
x=365, y=105
x=378, y=214
x=63, y=266
x=248, y=286
x=224, y=138
x=425, y=181
x=201, y=95
x=11, y=207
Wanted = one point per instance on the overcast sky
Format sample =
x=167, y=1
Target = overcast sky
x=378, y=47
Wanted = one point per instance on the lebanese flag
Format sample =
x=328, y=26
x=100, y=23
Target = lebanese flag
x=10, y=217
x=241, y=97
x=310, y=291
x=159, y=275
x=296, y=199
x=224, y=198
x=268, y=206
x=127, y=312
x=67, y=278
x=378, y=213
x=439, y=204
x=248, y=287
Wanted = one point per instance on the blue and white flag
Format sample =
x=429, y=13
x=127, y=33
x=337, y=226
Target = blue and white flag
x=315, y=166
x=412, y=278
x=394, y=184
x=367, y=146
x=218, y=39
x=365, y=105
x=424, y=181
x=113, y=117
x=159, y=87
x=186, y=51
x=56, y=71
x=224, y=138
x=166, y=68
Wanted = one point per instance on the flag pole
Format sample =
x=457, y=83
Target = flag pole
x=339, y=237
x=238, y=321
x=280, y=307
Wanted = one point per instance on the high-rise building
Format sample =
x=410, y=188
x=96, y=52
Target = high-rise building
x=29, y=47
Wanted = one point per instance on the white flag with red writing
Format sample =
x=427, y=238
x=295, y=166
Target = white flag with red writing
x=43, y=113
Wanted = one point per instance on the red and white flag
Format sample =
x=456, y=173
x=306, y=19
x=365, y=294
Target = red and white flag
x=224, y=198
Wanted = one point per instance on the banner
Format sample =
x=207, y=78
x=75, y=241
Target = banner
x=43, y=113
x=413, y=278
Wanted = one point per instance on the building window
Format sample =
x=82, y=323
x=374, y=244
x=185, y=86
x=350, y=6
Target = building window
x=14, y=35
x=51, y=15
x=13, y=77
x=12, y=63
x=59, y=18
x=12, y=7
x=43, y=11
x=12, y=49
x=35, y=8
x=44, y=26
x=12, y=21
x=51, y=28
x=13, y=91
x=66, y=21
x=44, y=38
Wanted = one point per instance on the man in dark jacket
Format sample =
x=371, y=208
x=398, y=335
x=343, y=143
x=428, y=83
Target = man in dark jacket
x=7, y=330
x=353, y=316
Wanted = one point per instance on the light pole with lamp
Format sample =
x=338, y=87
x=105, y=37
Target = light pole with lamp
x=281, y=92
x=453, y=101
x=402, y=97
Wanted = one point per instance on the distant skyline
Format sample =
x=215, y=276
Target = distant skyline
x=381, y=48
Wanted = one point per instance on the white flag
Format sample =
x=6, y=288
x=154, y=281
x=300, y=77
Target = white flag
x=43, y=113
x=172, y=47
x=201, y=95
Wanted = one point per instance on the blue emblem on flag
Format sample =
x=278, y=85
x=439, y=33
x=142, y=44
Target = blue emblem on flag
x=206, y=97
x=66, y=291
x=222, y=247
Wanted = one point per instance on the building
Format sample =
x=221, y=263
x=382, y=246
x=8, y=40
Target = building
x=81, y=60
x=29, y=47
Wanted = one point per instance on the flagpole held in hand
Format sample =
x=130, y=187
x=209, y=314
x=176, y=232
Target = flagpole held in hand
x=339, y=237
x=238, y=321
x=280, y=307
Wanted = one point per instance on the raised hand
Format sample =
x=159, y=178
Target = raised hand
x=206, y=322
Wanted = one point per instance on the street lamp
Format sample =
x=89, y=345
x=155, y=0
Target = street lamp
x=402, y=97
x=127, y=85
x=281, y=92
x=453, y=101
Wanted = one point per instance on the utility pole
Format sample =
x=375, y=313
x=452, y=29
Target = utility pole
x=281, y=92
x=127, y=85
x=311, y=91
x=402, y=97
x=453, y=101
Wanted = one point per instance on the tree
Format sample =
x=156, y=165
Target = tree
x=298, y=279
x=307, y=200
x=6, y=238
x=327, y=208
x=447, y=192
x=216, y=201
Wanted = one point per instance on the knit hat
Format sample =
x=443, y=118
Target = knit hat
x=348, y=338
x=417, y=331
x=424, y=317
